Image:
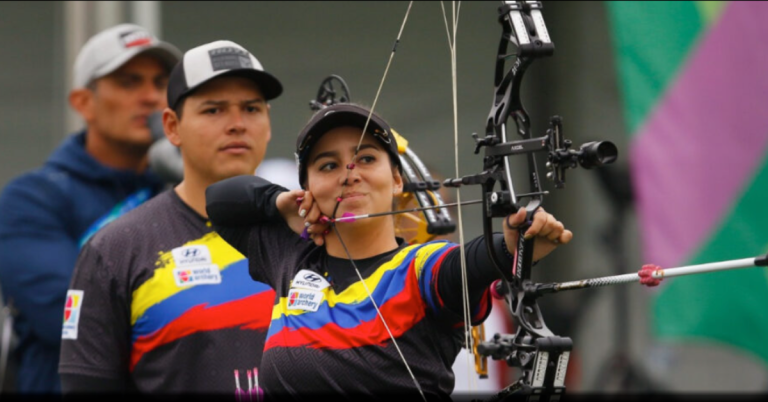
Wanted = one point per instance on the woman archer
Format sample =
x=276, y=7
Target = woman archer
x=342, y=297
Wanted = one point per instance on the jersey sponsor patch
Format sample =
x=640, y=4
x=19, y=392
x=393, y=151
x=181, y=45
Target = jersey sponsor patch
x=307, y=300
x=72, y=314
x=307, y=279
x=199, y=275
x=191, y=255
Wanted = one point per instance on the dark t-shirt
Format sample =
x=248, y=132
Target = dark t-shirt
x=160, y=300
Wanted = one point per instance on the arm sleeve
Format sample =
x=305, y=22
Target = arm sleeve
x=236, y=204
x=445, y=285
x=101, y=343
x=37, y=254
x=243, y=211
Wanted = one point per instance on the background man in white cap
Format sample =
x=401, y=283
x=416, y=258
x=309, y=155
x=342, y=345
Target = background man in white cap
x=95, y=175
x=162, y=304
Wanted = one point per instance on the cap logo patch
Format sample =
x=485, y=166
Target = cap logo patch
x=135, y=38
x=229, y=58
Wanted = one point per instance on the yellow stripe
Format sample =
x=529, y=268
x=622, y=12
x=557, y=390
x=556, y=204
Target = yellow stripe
x=356, y=293
x=162, y=285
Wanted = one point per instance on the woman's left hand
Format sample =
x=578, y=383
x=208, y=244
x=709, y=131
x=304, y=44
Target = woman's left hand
x=548, y=231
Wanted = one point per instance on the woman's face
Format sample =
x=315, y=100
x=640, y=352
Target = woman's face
x=371, y=184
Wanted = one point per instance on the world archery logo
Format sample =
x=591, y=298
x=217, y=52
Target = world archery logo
x=72, y=309
x=304, y=299
x=185, y=276
x=199, y=275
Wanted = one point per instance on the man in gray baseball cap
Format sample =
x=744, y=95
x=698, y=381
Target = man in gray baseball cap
x=94, y=176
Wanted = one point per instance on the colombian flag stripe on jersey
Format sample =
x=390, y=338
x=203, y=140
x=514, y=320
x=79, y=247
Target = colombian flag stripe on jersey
x=236, y=313
x=163, y=285
x=164, y=309
x=349, y=319
x=200, y=296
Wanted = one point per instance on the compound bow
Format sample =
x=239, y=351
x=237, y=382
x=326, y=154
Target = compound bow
x=541, y=355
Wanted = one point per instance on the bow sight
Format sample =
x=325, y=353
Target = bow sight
x=560, y=157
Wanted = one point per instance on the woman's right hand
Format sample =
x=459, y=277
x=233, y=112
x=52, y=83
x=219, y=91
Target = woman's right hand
x=301, y=213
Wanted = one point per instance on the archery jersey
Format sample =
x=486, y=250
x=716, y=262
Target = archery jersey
x=325, y=335
x=160, y=300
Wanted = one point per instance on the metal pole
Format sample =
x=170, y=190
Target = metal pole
x=75, y=34
x=108, y=14
x=147, y=14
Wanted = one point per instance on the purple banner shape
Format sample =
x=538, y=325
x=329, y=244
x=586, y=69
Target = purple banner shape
x=705, y=139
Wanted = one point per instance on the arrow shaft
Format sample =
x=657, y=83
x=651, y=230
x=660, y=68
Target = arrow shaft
x=659, y=274
x=402, y=211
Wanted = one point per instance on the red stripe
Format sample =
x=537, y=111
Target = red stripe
x=402, y=312
x=238, y=313
x=139, y=42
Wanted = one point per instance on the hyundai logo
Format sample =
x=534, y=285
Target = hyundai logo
x=190, y=252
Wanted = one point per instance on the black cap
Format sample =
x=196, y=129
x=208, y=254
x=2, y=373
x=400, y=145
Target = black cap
x=204, y=63
x=341, y=115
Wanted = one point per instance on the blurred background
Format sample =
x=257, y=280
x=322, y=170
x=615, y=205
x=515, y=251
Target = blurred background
x=679, y=87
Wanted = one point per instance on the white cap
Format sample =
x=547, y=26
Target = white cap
x=206, y=62
x=108, y=50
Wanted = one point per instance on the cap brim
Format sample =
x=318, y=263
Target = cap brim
x=269, y=86
x=165, y=52
x=337, y=119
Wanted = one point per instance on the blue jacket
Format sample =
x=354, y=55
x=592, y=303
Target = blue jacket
x=45, y=217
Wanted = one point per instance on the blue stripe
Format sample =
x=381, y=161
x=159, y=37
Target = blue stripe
x=235, y=284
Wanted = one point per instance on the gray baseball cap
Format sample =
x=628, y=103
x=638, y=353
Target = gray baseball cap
x=108, y=50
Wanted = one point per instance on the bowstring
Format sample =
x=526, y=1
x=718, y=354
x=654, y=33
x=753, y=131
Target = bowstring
x=468, y=340
x=339, y=198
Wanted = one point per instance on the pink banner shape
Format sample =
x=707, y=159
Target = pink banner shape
x=705, y=139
